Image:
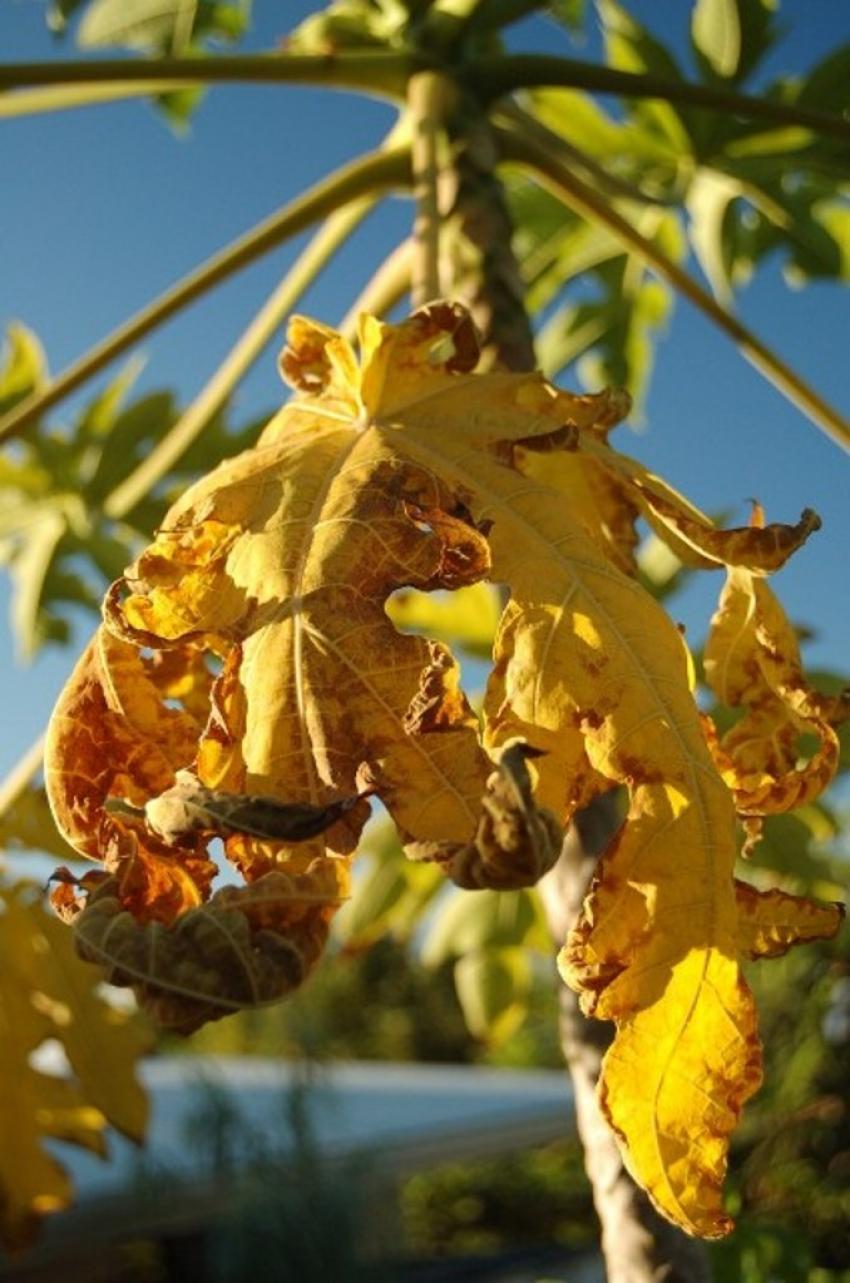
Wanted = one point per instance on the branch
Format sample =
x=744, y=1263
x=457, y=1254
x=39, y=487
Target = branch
x=21, y=773
x=31, y=102
x=492, y=77
x=377, y=172
x=426, y=110
x=511, y=114
x=375, y=72
x=637, y=1244
x=584, y=201
x=387, y=287
x=241, y=357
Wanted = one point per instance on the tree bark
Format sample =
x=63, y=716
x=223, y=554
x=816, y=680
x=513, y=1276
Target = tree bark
x=477, y=232
x=478, y=265
x=638, y=1245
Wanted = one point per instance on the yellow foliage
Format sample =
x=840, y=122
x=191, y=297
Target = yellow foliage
x=752, y=662
x=410, y=471
x=47, y=993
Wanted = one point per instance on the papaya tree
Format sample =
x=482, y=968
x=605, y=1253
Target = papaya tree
x=274, y=656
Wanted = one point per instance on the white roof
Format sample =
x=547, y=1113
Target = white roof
x=406, y=1116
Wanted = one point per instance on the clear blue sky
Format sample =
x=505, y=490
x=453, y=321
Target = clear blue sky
x=101, y=210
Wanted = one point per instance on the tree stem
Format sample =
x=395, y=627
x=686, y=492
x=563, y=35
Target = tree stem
x=427, y=101
x=31, y=102
x=372, y=71
x=637, y=1244
x=21, y=773
x=387, y=287
x=492, y=77
x=370, y=175
x=477, y=241
x=241, y=357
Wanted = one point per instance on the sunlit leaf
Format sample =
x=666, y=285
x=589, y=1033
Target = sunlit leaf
x=487, y=920
x=468, y=617
x=716, y=33
x=631, y=47
x=709, y=197
x=752, y=661
x=47, y=993
x=391, y=892
x=159, y=26
x=272, y=575
x=27, y=824
x=24, y=367
x=492, y=988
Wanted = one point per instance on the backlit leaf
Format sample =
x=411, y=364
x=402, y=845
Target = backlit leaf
x=752, y=661
x=26, y=824
x=159, y=26
x=24, y=368
x=468, y=617
x=48, y=993
x=492, y=987
x=716, y=32
x=407, y=470
x=390, y=894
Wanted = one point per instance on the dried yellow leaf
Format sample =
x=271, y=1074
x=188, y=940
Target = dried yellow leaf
x=752, y=662
x=409, y=470
x=47, y=993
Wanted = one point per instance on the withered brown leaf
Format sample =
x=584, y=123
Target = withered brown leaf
x=409, y=470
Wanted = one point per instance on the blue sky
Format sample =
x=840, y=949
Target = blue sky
x=102, y=208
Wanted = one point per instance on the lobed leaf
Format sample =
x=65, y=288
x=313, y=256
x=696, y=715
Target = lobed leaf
x=47, y=993
x=752, y=662
x=410, y=471
x=249, y=946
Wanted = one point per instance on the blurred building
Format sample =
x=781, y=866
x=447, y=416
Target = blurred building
x=304, y=1158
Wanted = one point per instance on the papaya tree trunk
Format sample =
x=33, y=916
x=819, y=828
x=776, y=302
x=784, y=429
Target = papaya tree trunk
x=477, y=266
x=638, y=1245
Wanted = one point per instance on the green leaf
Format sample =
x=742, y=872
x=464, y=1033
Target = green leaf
x=827, y=86
x=179, y=106
x=146, y=25
x=709, y=196
x=797, y=846
x=27, y=824
x=23, y=368
x=467, y=618
x=661, y=571
x=351, y=24
x=768, y=142
x=160, y=26
x=475, y=920
x=716, y=33
x=110, y=555
x=631, y=145
x=730, y=37
x=834, y=218
x=566, y=337
x=624, y=353
x=630, y=47
x=492, y=987
x=390, y=895
x=580, y=248
x=59, y=13
x=30, y=569
x=131, y=435
x=759, y=32
x=570, y=13
x=98, y=418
